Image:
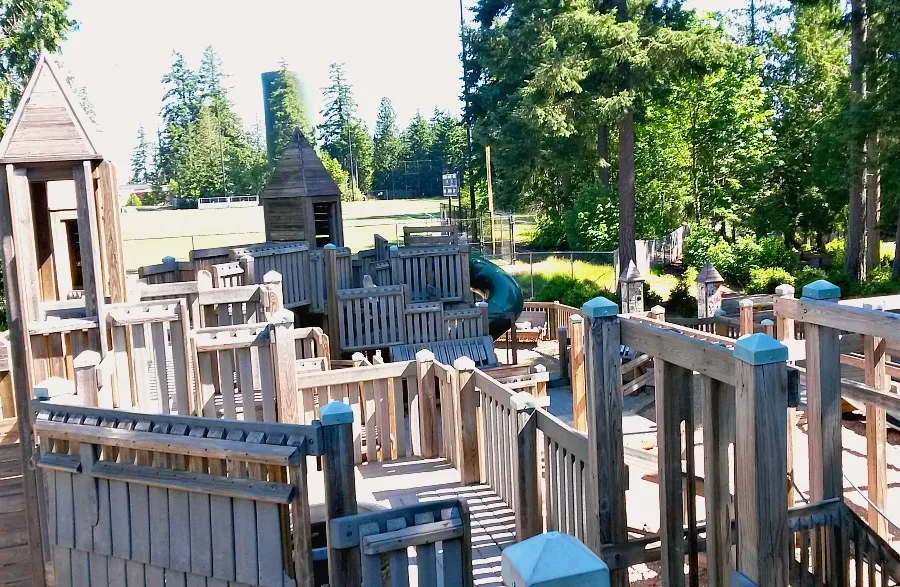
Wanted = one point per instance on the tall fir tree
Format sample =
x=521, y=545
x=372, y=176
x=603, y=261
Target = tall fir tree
x=387, y=147
x=288, y=108
x=140, y=173
x=344, y=136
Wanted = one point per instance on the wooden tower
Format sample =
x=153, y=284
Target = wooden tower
x=302, y=202
x=61, y=245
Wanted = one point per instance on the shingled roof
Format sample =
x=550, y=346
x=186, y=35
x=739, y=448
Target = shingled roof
x=300, y=172
x=49, y=123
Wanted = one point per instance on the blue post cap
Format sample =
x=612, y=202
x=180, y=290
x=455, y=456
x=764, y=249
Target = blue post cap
x=760, y=349
x=821, y=290
x=599, y=307
x=335, y=413
x=330, y=246
x=394, y=248
x=553, y=559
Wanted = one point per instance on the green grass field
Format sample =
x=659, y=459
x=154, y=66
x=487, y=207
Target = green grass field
x=150, y=235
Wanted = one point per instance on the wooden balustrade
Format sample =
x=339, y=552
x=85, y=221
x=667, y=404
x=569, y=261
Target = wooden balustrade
x=371, y=317
x=465, y=323
x=229, y=274
x=424, y=322
x=290, y=260
x=433, y=271
x=318, y=282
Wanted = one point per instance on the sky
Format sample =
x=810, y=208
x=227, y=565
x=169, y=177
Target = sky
x=407, y=50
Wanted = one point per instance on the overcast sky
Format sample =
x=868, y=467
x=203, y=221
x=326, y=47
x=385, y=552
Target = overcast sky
x=405, y=49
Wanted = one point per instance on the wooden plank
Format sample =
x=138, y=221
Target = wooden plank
x=823, y=392
x=577, y=370
x=825, y=313
x=672, y=383
x=371, y=571
x=760, y=472
x=223, y=538
x=876, y=434
x=179, y=530
x=88, y=240
x=399, y=563
x=269, y=547
x=706, y=358
x=139, y=510
x=718, y=432
x=148, y=441
x=201, y=562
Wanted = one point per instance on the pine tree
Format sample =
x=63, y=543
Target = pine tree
x=139, y=171
x=181, y=108
x=387, y=146
x=344, y=136
x=288, y=109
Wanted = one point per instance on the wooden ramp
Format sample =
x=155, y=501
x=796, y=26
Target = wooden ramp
x=14, y=553
x=402, y=483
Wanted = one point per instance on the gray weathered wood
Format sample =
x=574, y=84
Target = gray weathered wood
x=340, y=497
x=528, y=516
x=761, y=470
x=718, y=432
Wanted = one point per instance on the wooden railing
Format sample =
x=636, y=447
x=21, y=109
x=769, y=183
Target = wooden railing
x=557, y=315
x=466, y=323
x=175, y=498
x=290, y=260
x=444, y=269
x=425, y=322
x=169, y=271
x=371, y=317
x=318, y=283
x=229, y=274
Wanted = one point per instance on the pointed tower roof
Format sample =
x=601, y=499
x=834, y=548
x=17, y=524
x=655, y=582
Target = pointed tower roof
x=49, y=123
x=300, y=172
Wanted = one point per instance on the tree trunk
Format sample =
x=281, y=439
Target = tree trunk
x=895, y=270
x=854, y=255
x=873, y=203
x=627, y=247
x=603, y=154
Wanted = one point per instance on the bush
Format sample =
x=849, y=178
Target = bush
x=651, y=298
x=681, y=301
x=548, y=233
x=698, y=244
x=805, y=276
x=592, y=224
x=835, y=248
x=765, y=280
x=571, y=291
x=133, y=200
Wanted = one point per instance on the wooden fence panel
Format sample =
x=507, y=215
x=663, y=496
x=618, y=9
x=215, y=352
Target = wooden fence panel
x=465, y=323
x=290, y=260
x=440, y=271
x=371, y=317
x=425, y=322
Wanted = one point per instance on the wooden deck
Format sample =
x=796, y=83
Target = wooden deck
x=14, y=567
x=403, y=483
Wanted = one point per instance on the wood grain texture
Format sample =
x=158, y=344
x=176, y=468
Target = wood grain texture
x=718, y=433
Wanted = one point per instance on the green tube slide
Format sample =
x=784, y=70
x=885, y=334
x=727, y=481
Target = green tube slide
x=500, y=291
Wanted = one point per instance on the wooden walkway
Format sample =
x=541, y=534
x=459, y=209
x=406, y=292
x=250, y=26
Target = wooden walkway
x=407, y=482
x=14, y=567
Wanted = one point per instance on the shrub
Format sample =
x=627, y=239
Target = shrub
x=764, y=280
x=592, y=224
x=133, y=200
x=548, y=233
x=774, y=252
x=807, y=275
x=835, y=248
x=571, y=291
x=698, y=244
x=651, y=298
x=681, y=301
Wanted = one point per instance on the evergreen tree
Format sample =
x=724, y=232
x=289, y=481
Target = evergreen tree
x=181, y=108
x=288, y=109
x=344, y=136
x=387, y=146
x=448, y=147
x=139, y=171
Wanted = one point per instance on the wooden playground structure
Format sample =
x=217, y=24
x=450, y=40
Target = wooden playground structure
x=195, y=428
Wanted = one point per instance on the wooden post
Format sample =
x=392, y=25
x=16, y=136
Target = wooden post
x=760, y=459
x=769, y=327
x=553, y=559
x=329, y=255
x=428, y=419
x=823, y=414
x=746, y=317
x=562, y=337
x=607, y=521
x=718, y=433
x=720, y=325
x=284, y=353
x=485, y=321
x=469, y=404
x=86, y=384
x=784, y=332
x=709, y=294
x=576, y=360
x=658, y=313
x=529, y=520
x=248, y=264
x=673, y=394
x=340, y=487
x=513, y=341
x=13, y=196
x=274, y=293
x=631, y=287
x=876, y=431
x=540, y=388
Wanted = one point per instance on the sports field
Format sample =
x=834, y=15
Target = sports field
x=150, y=235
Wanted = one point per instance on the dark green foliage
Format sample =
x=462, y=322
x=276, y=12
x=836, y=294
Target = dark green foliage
x=592, y=222
x=344, y=135
x=735, y=261
x=765, y=280
x=568, y=290
x=682, y=301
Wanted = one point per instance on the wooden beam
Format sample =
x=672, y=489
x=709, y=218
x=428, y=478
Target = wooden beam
x=876, y=434
x=113, y=258
x=89, y=244
x=11, y=185
x=847, y=318
x=718, y=433
x=761, y=464
x=576, y=359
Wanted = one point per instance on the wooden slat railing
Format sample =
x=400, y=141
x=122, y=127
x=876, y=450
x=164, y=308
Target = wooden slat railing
x=465, y=323
x=290, y=260
x=229, y=274
x=566, y=473
x=371, y=317
x=445, y=268
x=319, y=288
x=425, y=322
